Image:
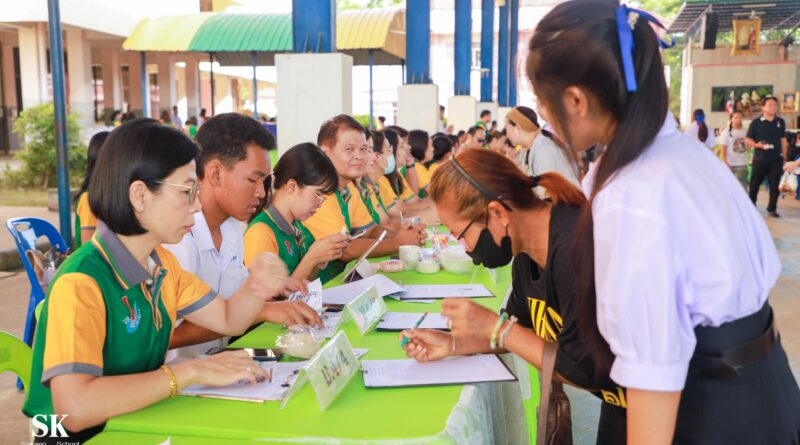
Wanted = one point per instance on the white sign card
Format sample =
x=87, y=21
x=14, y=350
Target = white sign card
x=331, y=369
x=367, y=309
x=313, y=297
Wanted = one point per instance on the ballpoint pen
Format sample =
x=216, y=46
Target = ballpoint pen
x=416, y=325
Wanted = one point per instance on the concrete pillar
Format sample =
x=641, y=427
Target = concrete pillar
x=418, y=107
x=9, y=80
x=112, y=86
x=167, y=94
x=305, y=98
x=462, y=112
x=79, y=59
x=501, y=116
x=192, y=86
x=135, y=85
x=33, y=65
x=180, y=93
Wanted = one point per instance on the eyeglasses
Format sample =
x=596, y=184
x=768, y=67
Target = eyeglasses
x=319, y=197
x=193, y=189
x=464, y=232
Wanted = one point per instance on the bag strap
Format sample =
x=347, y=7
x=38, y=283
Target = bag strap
x=548, y=364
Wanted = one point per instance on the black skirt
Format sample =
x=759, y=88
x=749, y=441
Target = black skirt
x=759, y=406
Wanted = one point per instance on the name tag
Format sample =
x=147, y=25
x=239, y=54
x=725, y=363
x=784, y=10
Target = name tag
x=367, y=309
x=331, y=369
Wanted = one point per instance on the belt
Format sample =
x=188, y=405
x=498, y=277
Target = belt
x=726, y=363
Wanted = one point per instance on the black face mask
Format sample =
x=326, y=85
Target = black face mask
x=488, y=253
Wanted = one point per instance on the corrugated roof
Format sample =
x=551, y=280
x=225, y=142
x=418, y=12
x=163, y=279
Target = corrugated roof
x=244, y=32
x=167, y=33
x=774, y=14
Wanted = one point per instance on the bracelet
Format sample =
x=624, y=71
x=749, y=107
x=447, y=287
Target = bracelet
x=173, y=382
x=453, y=347
x=496, y=330
x=506, y=330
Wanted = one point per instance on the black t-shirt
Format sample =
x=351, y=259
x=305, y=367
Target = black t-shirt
x=771, y=132
x=544, y=300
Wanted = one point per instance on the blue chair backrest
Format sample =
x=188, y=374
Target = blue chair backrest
x=25, y=232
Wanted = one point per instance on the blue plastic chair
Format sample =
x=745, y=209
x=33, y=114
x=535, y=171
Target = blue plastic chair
x=25, y=232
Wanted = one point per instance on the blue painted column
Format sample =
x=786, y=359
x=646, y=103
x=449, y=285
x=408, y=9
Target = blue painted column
x=513, y=44
x=502, y=57
x=463, y=47
x=314, y=26
x=255, y=87
x=418, y=41
x=60, y=107
x=143, y=80
x=487, y=55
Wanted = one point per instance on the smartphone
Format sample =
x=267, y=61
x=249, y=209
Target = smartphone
x=257, y=354
x=359, y=234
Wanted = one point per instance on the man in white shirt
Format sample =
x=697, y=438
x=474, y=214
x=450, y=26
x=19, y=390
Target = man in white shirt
x=176, y=120
x=231, y=169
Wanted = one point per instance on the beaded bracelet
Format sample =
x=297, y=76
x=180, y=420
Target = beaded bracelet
x=496, y=330
x=506, y=330
x=173, y=382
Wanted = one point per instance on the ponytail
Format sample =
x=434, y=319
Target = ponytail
x=559, y=189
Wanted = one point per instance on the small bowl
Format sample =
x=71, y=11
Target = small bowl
x=427, y=266
x=458, y=265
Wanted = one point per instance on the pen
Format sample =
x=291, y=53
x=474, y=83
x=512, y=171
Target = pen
x=416, y=325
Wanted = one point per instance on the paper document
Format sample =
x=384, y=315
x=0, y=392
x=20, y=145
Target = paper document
x=313, y=297
x=347, y=292
x=435, y=291
x=453, y=371
x=406, y=300
x=331, y=320
x=283, y=376
x=397, y=321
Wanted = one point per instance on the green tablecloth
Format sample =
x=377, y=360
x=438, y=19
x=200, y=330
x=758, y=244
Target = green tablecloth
x=406, y=415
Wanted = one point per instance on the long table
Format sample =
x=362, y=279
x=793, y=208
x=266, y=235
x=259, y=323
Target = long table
x=462, y=414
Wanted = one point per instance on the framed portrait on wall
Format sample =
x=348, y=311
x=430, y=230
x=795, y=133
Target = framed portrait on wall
x=746, y=37
x=789, y=101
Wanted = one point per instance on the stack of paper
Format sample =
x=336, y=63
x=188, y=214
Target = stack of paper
x=283, y=375
x=398, y=321
x=435, y=291
x=313, y=297
x=347, y=292
x=453, y=371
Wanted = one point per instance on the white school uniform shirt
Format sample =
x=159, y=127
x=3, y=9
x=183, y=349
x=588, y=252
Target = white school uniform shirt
x=223, y=270
x=694, y=132
x=677, y=244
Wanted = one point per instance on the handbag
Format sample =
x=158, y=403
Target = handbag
x=554, y=418
x=788, y=182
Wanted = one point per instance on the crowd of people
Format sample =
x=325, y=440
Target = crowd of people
x=617, y=224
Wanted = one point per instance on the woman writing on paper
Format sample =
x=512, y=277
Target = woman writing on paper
x=490, y=205
x=110, y=312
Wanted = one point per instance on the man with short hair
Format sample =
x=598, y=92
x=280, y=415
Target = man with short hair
x=176, y=120
x=344, y=140
x=476, y=137
x=485, y=119
x=231, y=169
x=767, y=135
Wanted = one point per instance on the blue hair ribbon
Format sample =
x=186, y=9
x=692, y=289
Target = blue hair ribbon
x=626, y=21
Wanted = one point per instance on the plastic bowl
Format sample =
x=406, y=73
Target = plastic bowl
x=458, y=264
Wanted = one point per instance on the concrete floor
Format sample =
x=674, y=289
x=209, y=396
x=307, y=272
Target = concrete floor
x=785, y=299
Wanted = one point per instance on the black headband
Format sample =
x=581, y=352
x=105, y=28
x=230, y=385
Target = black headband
x=486, y=193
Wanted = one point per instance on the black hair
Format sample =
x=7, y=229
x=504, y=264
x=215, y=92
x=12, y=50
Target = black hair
x=202, y=112
x=308, y=165
x=441, y=146
x=767, y=99
x=461, y=133
x=226, y=137
x=381, y=118
x=474, y=129
x=702, y=128
x=453, y=139
x=329, y=130
x=402, y=132
x=92, y=153
x=418, y=140
x=730, y=121
x=576, y=45
x=485, y=112
x=377, y=141
x=140, y=150
x=394, y=177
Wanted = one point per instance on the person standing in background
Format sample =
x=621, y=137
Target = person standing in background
x=176, y=120
x=700, y=130
x=767, y=135
x=733, y=147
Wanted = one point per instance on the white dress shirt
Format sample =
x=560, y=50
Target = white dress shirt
x=677, y=244
x=223, y=270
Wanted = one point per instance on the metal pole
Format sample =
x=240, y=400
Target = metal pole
x=143, y=63
x=211, y=64
x=502, y=58
x=418, y=41
x=255, y=88
x=60, y=107
x=463, y=45
x=513, y=42
x=403, y=71
x=487, y=43
x=371, y=120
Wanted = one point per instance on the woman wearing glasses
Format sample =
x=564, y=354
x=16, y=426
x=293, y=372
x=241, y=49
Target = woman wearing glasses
x=300, y=181
x=109, y=314
x=489, y=204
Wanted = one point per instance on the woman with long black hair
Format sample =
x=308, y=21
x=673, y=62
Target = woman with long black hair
x=682, y=294
x=85, y=221
x=700, y=130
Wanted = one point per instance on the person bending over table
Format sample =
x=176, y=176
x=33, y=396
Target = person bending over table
x=408, y=202
x=344, y=141
x=108, y=316
x=299, y=184
x=490, y=205
x=231, y=168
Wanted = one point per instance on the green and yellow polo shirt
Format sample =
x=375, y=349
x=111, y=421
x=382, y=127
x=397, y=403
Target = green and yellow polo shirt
x=106, y=315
